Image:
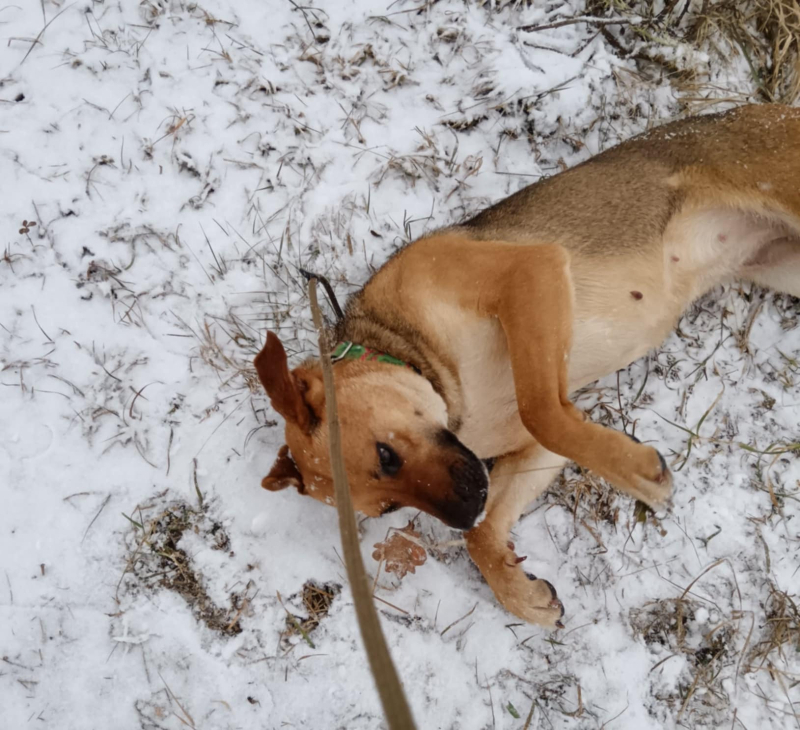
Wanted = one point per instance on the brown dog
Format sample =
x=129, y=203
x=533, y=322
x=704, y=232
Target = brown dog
x=500, y=318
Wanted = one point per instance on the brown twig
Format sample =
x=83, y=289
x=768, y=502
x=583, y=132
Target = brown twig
x=574, y=21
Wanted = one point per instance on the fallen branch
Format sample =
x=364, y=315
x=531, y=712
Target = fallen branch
x=575, y=20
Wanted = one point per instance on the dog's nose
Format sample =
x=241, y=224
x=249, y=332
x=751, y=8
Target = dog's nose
x=461, y=515
x=470, y=480
x=469, y=483
x=470, y=486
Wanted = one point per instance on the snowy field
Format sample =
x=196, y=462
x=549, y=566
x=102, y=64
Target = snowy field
x=165, y=168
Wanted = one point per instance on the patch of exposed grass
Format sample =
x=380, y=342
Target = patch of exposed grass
x=781, y=636
x=231, y=364
x=764, y=33
x=158, y=561
x=316, y=599
x=669, y=623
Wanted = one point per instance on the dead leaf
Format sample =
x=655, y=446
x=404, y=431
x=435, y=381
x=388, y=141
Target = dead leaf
x=400, y=554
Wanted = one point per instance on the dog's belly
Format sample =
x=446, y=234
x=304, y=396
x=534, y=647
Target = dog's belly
x=622, y=308
x=601, y=347
x=625, y=306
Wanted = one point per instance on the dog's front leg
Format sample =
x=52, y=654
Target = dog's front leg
x=534, y=306
x=516, y=480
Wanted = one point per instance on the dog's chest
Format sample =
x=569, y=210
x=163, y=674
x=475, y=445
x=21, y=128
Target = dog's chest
x=491, y=425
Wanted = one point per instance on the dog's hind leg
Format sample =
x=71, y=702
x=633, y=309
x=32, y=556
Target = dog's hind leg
x=776, y=265
x=517, y=479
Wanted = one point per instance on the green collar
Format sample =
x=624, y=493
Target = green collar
x=351, y=351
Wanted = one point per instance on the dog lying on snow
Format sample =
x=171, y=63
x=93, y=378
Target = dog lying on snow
x=465, y=345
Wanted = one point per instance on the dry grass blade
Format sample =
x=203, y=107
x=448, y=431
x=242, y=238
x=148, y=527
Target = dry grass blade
x=97, y=514
x=187, y=719
x=572, y=21
x=459, y=620
x=36, y=41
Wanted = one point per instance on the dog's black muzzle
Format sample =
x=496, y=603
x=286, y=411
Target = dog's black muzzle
x=470, y=485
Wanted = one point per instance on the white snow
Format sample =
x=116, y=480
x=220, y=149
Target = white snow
x=180, y=162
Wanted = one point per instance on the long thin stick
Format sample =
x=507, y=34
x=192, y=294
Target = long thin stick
x=393, y=699
x=574, y=21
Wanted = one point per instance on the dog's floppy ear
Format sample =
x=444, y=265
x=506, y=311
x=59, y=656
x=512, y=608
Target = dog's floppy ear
x=284, y=473
x=285, y=391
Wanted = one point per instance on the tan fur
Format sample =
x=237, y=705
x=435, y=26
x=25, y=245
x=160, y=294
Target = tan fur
x=505, y=315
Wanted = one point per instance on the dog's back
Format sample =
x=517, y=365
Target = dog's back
x=623, y=199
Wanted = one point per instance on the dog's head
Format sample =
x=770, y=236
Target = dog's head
x=397, y=449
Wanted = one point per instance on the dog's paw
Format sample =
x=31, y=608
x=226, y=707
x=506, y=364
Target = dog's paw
x=533, y=599
x=547, y=592
x=649, y=479
x=654, y=483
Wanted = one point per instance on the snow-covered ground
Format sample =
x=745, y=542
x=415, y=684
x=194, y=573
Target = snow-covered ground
x=179, y=162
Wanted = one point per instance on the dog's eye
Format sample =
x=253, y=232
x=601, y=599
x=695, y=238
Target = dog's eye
x=390, y=461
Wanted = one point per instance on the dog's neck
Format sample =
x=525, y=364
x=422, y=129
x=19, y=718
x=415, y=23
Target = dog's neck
x=381, y=331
